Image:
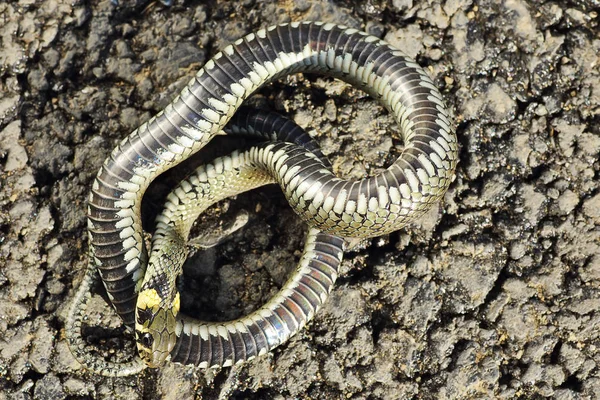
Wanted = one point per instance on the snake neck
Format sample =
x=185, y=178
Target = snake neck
x=158, y=301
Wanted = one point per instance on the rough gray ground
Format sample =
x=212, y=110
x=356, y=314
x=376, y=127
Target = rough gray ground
x=495, y=294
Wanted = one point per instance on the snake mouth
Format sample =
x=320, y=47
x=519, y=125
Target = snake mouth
x=153, y=358
x=153, y=352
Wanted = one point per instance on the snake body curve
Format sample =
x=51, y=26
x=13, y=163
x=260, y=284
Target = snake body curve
x=162, y=335
x=365, y=208
x=189, y=341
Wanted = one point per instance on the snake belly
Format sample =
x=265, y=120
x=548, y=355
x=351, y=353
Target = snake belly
x=364, y=208
x=162, y=335
x=217, y=344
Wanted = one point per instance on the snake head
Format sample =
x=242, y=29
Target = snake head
x=155, y=326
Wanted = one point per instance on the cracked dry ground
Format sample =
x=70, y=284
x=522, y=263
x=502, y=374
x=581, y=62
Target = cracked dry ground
x=494, y=294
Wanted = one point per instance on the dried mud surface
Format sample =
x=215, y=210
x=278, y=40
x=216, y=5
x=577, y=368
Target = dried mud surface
x=494, y=294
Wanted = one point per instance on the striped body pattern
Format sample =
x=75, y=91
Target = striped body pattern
x=224, y=344
x=365, y=208
x=161, y=334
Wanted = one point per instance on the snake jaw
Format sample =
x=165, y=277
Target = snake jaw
x=155, y=327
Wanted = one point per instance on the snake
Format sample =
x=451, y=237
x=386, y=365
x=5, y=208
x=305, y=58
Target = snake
x=257, y=333
x=161, y=335
x=362, y=208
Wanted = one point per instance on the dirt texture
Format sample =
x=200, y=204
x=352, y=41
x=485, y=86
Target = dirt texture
x=495, y=293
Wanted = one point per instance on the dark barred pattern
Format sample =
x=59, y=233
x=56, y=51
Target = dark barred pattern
x=271, y=325
x=364, y=208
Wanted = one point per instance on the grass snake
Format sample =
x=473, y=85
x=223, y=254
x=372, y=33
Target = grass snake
x=363, y=208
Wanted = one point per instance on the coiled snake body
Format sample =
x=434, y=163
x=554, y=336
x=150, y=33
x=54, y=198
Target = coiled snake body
x=364, y=208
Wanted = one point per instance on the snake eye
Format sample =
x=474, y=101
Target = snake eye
x=147, y=340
